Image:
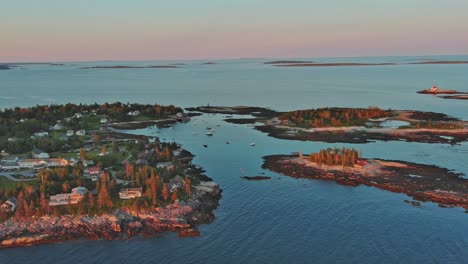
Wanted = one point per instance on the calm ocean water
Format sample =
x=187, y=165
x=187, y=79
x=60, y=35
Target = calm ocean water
x=283, y=219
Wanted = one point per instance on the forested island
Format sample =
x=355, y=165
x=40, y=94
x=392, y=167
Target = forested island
x=67, y=174
x=348, y=167
x=350, y=125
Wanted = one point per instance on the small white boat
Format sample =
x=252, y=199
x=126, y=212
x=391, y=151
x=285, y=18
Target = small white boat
x=209, y=133
x=252, y=144
x=194, y=133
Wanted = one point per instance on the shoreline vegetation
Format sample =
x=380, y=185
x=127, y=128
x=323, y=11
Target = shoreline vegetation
x=349, y=125
x=346, y=167
x=99, y=183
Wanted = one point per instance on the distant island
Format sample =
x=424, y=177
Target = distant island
x=287, y=62
x=131, y=67
x=67, y=173
x=347, y=167
x=350, y=125
x=440, y=62
x=350, y=64
x=459, y=97
x=9, y=66
x=434, y=90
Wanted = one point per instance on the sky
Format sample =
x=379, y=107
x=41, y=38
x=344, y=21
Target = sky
x=87, y=30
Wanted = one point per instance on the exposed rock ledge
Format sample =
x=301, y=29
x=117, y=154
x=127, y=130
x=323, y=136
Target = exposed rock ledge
x=120, y=224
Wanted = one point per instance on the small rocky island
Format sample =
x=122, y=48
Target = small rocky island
x=345, y=166
x=436, y=90
x=68, y=173
x=349, y=125
x=446, y=94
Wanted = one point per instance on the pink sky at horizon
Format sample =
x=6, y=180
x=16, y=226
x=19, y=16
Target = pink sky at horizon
x=56, y=31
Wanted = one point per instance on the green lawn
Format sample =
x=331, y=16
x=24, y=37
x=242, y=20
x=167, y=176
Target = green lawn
x=7, y=184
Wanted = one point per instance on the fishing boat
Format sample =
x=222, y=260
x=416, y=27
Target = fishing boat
x=209, y=132
x=252, y=144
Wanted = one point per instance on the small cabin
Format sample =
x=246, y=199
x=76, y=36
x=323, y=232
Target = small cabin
x=130, y=193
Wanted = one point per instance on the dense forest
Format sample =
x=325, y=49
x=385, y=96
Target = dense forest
x=342, y=157
x=332, y=117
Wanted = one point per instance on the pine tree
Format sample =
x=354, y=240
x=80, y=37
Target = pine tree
x=188, y=185
x=82, y=154
x=174, y=195
x=165, y=192
x=104, y=199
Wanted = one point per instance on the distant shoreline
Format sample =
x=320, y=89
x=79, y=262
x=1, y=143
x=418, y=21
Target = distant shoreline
x=130, y=67
x=350, y=64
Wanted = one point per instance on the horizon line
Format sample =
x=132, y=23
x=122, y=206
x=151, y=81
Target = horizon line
x=221, y=59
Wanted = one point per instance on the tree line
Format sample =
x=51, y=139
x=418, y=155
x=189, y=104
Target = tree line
x=325, y=117
x=342, y=157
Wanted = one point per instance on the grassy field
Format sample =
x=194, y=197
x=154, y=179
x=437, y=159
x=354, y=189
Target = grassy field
x=7, y=184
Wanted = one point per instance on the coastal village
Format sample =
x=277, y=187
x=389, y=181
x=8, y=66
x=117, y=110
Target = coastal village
x=69, y=159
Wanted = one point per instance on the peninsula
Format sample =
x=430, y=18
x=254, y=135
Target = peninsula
x=350, y=125
x=347, y=167
x=68, y=173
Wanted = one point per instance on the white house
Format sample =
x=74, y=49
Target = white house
x=57, y=126
x=9, y=165
x=80, y=132
x=39, y=154
x=134, y=113
x=88, y=163
x=32, y=163
x=57, y=162
x=74, y=197
x=104, y=120
x=41, y=134
x=78, y=115
x=129, y=193
x=70, y=133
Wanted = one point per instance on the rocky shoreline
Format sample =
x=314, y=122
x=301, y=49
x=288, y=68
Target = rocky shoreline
x=362, y=135
x=420, y=181
x=123, y=223
x=142, y=124
x=120, y=224
x=272, y=125
x=440, y=91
